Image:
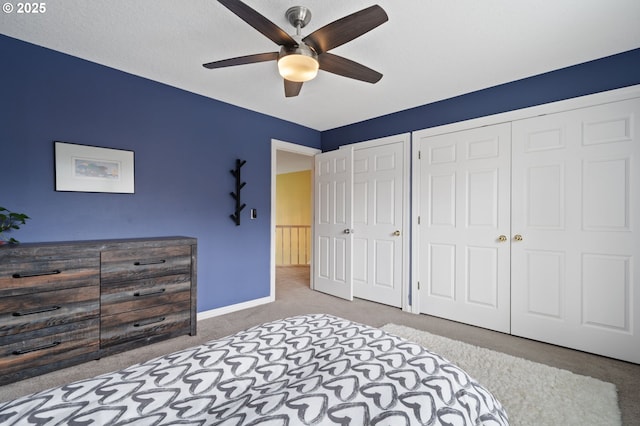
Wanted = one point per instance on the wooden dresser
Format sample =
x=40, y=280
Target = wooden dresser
x=65, y=303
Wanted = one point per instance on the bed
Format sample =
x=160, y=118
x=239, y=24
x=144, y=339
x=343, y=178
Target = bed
x=314, y=369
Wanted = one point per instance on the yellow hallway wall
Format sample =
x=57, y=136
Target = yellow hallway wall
x=293, y=208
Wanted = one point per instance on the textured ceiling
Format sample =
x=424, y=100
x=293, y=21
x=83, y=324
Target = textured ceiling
x=429, y=50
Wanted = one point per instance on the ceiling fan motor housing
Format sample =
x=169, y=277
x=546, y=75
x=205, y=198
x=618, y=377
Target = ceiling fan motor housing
x=298, y=63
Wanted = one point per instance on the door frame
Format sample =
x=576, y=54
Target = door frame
x=519, y=114
x=278, y=145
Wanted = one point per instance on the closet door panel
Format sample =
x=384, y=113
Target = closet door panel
x=464, y=209
x=332, y=266
x=575, y=190
x=380, y=201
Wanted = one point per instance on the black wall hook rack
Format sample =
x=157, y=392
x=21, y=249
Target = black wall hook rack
x=236, y=195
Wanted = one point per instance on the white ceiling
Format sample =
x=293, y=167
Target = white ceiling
x=429, y=50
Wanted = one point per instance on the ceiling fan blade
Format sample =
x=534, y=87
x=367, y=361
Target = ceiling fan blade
x=346, y=29
x=259, y=22
x=291, y=88
x=241, y=60
x=347, y=68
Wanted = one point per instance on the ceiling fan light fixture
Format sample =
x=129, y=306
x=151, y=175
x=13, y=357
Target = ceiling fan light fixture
x=298, y=64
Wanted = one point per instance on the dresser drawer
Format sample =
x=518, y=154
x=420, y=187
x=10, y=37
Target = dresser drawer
x=145, y=323
x=44, y=274
x=147, y=262
x=29, y=312
x=27, y=354
x=142, y=294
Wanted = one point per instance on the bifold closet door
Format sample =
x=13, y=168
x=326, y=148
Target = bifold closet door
x=576, y=255
x=464, y=230
x=361, y=200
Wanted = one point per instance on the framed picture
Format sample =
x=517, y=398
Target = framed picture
x=92, y=169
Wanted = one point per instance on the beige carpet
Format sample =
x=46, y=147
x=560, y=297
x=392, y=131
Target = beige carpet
x=532, y=393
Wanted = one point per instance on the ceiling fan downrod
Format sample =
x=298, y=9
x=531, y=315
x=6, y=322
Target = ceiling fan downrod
x=298, y=16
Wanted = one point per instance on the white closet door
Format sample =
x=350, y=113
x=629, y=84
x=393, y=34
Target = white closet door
x=379, y=203
x=576, y=270
x=464, y=210
x=333, y=223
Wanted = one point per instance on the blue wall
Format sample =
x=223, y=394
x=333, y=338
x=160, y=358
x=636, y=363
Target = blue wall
x=184, y=146
x=608, y=73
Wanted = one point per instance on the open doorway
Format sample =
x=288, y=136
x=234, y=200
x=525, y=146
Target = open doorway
x=291, y=167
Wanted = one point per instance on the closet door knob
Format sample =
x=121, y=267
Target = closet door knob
x=396, y=233
x=517, y=237
x=502, y=238
x=347, y=231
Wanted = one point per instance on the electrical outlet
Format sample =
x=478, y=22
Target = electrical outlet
x=254, y=213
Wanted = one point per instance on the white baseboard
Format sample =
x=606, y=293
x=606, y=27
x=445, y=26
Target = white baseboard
x=233, y=308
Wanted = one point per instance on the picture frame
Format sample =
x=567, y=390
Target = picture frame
x=84, y=168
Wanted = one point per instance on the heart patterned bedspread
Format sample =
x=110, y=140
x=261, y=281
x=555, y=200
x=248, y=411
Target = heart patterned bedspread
x=314, y=369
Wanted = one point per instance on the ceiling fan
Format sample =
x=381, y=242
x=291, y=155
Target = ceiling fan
x=300, y=57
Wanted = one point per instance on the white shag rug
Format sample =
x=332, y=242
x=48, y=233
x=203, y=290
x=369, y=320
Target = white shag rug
x=532, y=393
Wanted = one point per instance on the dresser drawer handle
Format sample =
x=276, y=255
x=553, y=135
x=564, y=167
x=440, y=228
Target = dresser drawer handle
x=36, y=311
x=36, y=274
x=150, y=262
x=150, y=293
x=147, y=322
x=37, y=348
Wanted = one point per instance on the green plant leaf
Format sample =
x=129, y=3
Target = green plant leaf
x=11, y=220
